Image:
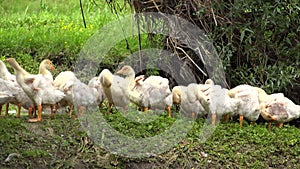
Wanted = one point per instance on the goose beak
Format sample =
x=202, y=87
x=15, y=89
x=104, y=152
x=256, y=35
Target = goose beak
x=52, y=68
x=139, y=78
x=273, y=118
x=120, y=72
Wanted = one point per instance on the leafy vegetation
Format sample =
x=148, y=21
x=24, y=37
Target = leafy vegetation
x=259, y=42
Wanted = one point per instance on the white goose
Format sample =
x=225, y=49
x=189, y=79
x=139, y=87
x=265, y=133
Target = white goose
x=77, y=93
x=219, y=102
x=44, y=68
x=249, y=102
x=63, y=82
x=15, y=95
x=95, y=83
x=10, y=84
x=83, y=96
x=194, y=98
x=5, y=74
x=196, y=92
x=278, y=108
x=5, y=97
x=180, y=96
x=36, y=87
x=152, y=92
x=281, y=111
x=116, y=88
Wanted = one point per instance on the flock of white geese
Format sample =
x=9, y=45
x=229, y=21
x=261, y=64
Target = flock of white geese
x=32, y=91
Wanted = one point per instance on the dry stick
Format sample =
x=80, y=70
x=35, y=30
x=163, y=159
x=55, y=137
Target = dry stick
x=191, y=60
x=212, y=11
x=82, y=14
x=156, y=6
x=139, y=39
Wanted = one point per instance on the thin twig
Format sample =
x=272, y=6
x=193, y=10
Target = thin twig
x=156, y=6
x=212, y=11
x=191, y=60
x=82, y=14
x=139, y=38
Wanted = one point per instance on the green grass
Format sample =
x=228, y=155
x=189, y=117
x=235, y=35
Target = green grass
x=61, y=142
x=33, y=30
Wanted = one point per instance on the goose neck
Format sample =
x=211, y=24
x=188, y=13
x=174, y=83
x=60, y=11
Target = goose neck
x=14, y=64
